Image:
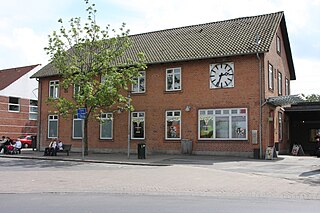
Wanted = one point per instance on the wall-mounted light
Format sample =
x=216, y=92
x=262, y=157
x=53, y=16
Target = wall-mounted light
x=188, y=108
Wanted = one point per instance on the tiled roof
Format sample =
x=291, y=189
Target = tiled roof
x=8, y=76
x=210, y=40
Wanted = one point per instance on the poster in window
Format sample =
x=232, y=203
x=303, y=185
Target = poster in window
x=206, y=127
x=173, y=128
x=138, y=128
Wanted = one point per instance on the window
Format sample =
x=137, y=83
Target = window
x=106, y=126
x=137, y=125
x=14, y=104
x=287, y=92
x=33, y=110
x=173, y=81
x=173, y=124
x=223, y=124
x=54, y=89
x=77, y=90
x=279, y=83
x=52, y=126
x=270, y=77
x=278, y=43
x=280, y=125
x=77, y=127
x=140, y=85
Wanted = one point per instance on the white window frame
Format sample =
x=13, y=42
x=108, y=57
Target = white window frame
x=137, y=83
x=279, y=83
x=105, y=117
x=280, y=126
x=174, y=116
x=141, y=118
x=278, y=44
x=270, y=77
x=50, y=119
x=76, y=90
x=223, y=113
x=55, y=89
x=287, y=87
x=33, y=109
x=75, y=118
x=173, y=72
x=14, y=104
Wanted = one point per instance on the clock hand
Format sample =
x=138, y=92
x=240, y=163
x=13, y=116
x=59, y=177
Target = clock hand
x=220, y=76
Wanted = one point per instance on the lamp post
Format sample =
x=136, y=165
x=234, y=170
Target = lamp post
x=129, y=122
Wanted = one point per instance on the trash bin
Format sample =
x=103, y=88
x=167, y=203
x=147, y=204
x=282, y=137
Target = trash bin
x=34, y=141
x=141, y=151
x=186, y=146
x=256, y=153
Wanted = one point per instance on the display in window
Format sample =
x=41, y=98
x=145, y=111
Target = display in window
x=206, y=127
x=138, y=127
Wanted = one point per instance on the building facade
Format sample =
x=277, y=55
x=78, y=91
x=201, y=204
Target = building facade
x=208, y=83
x=18, y=101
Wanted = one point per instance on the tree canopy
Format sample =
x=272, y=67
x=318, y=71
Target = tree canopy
x=87, y=58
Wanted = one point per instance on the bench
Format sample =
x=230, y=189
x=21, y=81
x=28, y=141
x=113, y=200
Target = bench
x=66, y=148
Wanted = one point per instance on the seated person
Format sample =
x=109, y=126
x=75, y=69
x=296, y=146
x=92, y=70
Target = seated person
x=60, y=145
x=51, y=149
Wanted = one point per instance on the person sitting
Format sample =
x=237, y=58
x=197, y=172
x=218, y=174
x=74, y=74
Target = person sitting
x=3, y=140
x=51, y=149
x=60, y=145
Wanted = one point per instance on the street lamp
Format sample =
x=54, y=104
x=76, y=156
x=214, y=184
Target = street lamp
x=129, y=122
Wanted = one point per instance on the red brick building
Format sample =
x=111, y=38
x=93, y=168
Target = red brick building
x=18, y=101
x=206, y=83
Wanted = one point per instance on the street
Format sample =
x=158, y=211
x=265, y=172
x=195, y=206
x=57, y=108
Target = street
x=242, y=186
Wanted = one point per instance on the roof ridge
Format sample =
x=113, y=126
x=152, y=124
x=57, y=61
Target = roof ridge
x=203, y=24
x=12, y=68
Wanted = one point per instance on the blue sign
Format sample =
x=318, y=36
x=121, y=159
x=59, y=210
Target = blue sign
x=82, y=113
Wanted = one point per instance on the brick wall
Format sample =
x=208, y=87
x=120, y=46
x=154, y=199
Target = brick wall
x=14, y=124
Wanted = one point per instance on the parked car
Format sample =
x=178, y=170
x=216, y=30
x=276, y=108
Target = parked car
x=26, y=141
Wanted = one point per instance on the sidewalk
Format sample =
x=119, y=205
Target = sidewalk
x=122, y=158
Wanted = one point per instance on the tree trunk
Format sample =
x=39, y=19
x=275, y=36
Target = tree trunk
x=85, y=136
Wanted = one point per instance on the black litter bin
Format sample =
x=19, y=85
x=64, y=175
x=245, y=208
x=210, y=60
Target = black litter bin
x=34, y=141
x=256, y=153
x=141, y=151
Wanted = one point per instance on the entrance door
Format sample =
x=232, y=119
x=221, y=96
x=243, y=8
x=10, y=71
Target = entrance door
x=271, y=128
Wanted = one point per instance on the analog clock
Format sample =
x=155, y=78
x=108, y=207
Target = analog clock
x=222, y=75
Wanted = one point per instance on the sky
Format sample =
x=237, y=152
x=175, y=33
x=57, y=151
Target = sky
x=25, y=26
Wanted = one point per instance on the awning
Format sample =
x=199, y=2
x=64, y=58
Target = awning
x=286, y=100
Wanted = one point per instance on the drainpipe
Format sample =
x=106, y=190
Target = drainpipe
x=260, y=106
x=39, y=114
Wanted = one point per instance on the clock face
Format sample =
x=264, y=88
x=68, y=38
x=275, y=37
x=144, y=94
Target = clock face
x=222, y=75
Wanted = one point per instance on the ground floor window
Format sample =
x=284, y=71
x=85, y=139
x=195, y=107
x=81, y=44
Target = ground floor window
x=137, y=125
x=173, y=124
x=77, y=126
x=52, y=126
x=223, y=124
x=106, y=125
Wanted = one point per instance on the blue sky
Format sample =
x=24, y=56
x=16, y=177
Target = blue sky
x=25, y=26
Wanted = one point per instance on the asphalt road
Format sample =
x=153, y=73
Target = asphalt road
x=230, y=186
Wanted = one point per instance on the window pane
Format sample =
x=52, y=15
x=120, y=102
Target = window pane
x=77, y=128
x=53, y=129
x=173, y=128
x=13, y=100
x=169, y=82
x=206, y=127
x=106, y=129
x=239, y=127
x=14, y=108
x=138, y=129
x=222, y=127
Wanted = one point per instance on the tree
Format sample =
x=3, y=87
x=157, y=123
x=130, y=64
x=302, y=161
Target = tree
x=312, y=98
x=92, y=62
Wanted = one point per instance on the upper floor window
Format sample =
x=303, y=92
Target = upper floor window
x=278, y=43
x=54, y=89
x=279, y=83
x=140, y=84
x=173, y=79
x=287, y=92
x=14, y=104
x=270, y=77
x=77, y=90
x=33, y=110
